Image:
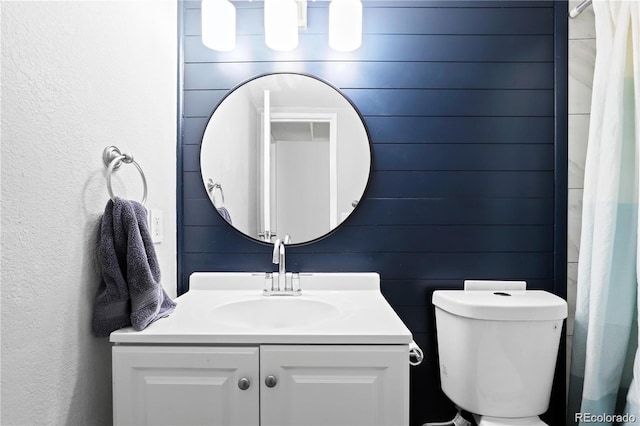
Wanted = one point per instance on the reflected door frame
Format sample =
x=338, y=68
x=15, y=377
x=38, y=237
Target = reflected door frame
x=283, y=115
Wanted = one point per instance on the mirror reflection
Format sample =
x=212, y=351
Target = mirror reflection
x=285, y=155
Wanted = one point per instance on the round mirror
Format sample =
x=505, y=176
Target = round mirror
x=285, y=156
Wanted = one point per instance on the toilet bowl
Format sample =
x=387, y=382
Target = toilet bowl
x=497, y=346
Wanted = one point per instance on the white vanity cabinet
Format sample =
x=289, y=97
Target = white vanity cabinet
x=166, y=385
x=323, y=385
x=335, y=355
x=334, y=385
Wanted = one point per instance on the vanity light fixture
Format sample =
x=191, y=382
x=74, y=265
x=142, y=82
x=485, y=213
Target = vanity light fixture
x=282, y=20
x=218, y=24
x=281, y=24
x=345, y=25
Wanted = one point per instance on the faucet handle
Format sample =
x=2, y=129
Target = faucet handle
x=292, y=283
x=295, y=282
x=268, y=282
x=288, y=281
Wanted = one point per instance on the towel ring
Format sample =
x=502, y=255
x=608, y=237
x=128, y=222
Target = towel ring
x=113, y=158
x=211, y=186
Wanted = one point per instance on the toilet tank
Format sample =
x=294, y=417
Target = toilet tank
x=497, y=349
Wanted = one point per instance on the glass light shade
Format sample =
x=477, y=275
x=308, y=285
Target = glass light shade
x=218, y=24
x=345, y=25
x=281, y=24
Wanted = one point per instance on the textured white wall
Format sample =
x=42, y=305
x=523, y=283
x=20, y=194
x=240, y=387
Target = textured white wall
x=76, y=76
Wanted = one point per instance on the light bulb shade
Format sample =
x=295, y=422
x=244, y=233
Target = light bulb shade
x=218, y=24
x=345, y=25
x=281, y=24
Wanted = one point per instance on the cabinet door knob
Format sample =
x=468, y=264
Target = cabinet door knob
x=244, y=383
x=271, y=381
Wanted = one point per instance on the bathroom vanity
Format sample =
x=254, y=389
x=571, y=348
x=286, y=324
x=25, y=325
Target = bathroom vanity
x=335, y=355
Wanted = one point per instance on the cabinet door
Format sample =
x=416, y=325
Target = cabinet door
x=185, y=385
x=334, y=385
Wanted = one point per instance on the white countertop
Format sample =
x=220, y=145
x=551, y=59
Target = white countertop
x=359, y=313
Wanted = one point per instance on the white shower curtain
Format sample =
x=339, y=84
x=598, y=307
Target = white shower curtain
x=605, y=366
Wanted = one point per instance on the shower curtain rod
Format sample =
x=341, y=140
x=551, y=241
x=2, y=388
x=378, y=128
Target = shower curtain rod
x=579, y=8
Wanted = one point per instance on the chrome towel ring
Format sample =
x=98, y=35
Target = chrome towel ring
x=113, y=158
x=211, y=187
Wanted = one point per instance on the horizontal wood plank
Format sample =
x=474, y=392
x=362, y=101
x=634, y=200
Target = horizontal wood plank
x=381, y=74
x=489, y=130
x=450, y=266
x=415, y=102
x=459, y=184
x=413, y=211
x=396, y=20
x=442, y=157
x=463, y=157
x=391, y=238
x=383, y=47
x=460, y=129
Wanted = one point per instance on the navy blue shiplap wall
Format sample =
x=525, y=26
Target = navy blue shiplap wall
x=465, y=103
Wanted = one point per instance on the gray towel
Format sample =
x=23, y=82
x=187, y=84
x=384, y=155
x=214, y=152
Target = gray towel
x=225, y=214
x=130, y=292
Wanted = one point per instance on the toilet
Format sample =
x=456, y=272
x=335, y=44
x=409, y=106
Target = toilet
x=497, y=347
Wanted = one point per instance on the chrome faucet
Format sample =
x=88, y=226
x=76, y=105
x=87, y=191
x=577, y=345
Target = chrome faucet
x=281, y=282
x=279, y=259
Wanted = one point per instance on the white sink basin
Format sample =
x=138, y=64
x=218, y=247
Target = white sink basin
x=229, y=308
x=274, y=312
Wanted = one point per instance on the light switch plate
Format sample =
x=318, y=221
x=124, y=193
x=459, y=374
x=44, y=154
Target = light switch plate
x=156, y=225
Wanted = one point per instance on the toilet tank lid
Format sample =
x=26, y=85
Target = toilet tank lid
x=517, y=305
